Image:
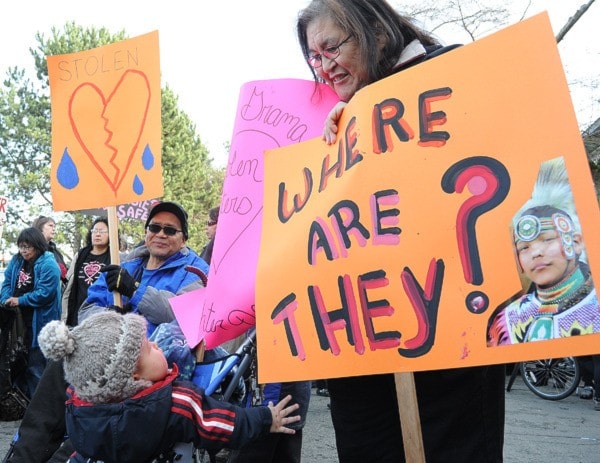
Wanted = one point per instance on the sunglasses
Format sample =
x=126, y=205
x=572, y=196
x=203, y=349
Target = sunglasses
x=169, y=231
x=210, y=223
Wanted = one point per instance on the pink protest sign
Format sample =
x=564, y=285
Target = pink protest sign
x=270, y=114
x=188, y=315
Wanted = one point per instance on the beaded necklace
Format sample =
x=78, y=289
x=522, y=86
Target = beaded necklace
x=564, y=294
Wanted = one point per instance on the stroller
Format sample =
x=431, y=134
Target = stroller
x=13, y=362
x=225, y=376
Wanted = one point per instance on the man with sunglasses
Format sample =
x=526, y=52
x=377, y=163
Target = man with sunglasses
x=152, y=274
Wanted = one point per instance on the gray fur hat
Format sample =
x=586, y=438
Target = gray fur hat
x=99, y=355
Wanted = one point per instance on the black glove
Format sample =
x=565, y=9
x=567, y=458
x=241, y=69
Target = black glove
x=119, y=279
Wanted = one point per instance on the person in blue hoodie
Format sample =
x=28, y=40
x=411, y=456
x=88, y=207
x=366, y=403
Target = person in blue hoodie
x=32, y=286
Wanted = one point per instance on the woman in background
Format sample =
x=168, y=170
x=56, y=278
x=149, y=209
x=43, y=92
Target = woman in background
x=32, y=286
x=85, y=269
x=211, y=231
x=47, y=225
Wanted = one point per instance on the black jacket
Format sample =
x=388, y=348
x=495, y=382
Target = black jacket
x=140, y=428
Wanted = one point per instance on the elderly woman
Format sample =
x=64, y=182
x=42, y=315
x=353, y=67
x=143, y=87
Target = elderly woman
x=349, y=44
x=32, y=286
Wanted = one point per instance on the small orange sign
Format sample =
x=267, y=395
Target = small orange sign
x=106, y=125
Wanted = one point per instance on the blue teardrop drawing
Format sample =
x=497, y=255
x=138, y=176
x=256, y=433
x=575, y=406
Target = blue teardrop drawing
x=138, y=186
x=147, y=158
x=67, y=174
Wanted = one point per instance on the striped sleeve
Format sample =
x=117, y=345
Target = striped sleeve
x=216, y=423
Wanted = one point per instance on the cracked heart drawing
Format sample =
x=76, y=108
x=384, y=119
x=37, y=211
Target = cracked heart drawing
x=109, y=129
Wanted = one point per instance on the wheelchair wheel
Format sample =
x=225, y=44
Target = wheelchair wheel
x=551, y=379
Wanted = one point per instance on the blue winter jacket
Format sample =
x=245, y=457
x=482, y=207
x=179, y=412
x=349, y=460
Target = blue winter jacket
x=45, y=297
x=157, y=286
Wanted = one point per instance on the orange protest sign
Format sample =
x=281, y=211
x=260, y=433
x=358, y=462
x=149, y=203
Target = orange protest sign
x=106, y=126
x=392, y=249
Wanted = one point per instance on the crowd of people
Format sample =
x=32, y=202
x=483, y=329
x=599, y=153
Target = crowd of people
x=94, y=380
x=151, y=274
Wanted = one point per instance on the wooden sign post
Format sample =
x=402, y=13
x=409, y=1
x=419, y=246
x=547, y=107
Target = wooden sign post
x=113, y=233
x=410, y=420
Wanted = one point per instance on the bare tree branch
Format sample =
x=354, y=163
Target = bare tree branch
x=572, y=20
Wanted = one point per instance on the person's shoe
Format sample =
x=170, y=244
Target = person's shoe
x=323, y=392
x=222, y=456
x=596, y=404
x=585, y=392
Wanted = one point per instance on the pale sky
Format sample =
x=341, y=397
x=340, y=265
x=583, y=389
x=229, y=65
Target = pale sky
x=208, y=50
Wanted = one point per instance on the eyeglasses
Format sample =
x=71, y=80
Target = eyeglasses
x=331, y=53
x=210, y=223
x=100, y=232
x=169, y=231
x=25, y=247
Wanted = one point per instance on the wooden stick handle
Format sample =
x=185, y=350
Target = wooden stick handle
x=200, y=349
x=409, y=417
x=113, y=233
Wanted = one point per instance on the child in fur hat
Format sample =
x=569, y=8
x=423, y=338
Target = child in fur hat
x=125, y=404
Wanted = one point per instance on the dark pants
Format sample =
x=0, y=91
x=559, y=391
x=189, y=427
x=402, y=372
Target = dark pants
x=590, y=372
x=272, y=448
x=278, y=448
x=461, y=412
x=42, y=430
x=321, y=383
x=31, y=376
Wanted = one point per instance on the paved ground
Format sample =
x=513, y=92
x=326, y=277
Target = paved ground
x=537, y=430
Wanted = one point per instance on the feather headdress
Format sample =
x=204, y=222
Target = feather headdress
x=551, y=190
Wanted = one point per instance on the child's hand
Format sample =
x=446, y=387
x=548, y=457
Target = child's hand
x=280, y=416
x=331, y=128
